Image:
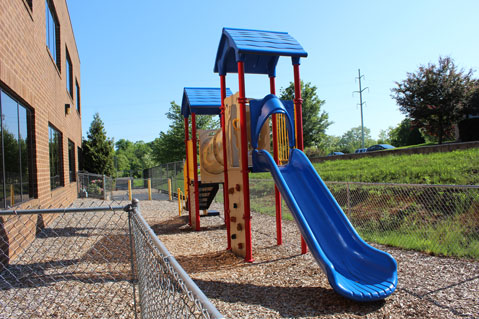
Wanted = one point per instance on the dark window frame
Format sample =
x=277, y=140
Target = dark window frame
x=56, y=171
x=25, y=187
x=71, y=161
x=50, y=12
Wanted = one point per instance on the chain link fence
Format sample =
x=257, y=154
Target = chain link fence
x=174, y=294
x=440, y=219
x=159, y=176
x=95, y=186
x=91, y=262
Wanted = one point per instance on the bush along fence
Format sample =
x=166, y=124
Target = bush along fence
x=91, y=262
x=438, y=219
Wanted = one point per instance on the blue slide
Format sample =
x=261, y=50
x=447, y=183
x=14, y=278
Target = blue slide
x=355, y=269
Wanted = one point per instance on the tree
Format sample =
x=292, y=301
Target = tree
x=351, y=140
x=133, y=158
x=435, y=97
x=406, y=134
x=98, y=153
x=170, y=146
x=315, y=122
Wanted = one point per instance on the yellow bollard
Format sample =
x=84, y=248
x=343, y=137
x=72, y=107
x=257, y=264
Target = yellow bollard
x=169, y=189
x=129, y=190
x=149, y=188
x=179, y=201
x=12, y=195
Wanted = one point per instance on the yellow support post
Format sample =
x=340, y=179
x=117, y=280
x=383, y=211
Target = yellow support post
x=179, y=201
x=169, y=189
x=129, y=190
x=149, y=188
x=12, y=195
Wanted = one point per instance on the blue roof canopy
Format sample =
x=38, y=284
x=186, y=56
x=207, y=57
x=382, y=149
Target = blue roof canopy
x=202, y=101
x=259, y=50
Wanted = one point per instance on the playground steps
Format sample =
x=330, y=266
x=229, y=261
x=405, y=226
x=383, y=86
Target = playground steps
x=207, y=192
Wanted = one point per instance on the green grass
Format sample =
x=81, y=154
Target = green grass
x=459, y=167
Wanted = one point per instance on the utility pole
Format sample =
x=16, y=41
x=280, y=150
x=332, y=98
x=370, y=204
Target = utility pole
x=361, y=90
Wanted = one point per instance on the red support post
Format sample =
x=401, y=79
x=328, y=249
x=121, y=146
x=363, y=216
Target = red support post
x=195, y=170
x=298, y=104
x=277, y=195
x=244, y=162
x=225, y=162
x=187, y=137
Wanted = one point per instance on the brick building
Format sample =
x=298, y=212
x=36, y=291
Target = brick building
x=40, y=108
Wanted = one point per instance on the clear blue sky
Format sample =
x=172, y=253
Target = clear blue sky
x=136, y=57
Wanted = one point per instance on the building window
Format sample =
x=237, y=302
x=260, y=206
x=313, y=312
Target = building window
x=80, y=159
x=71, y=161
x=52, y=31
x=56, y=158
x=78, y=96
x=17, y=180
x=69, y=73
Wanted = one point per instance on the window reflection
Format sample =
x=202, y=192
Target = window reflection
x=16, y=183
x=55, y=158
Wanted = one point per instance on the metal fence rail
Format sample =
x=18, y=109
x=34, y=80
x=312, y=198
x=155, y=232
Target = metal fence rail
x=87, y=262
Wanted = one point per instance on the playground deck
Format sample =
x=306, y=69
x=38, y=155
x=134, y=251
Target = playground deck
x=282, y=283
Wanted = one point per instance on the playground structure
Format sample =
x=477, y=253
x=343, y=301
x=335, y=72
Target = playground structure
x=355, y=269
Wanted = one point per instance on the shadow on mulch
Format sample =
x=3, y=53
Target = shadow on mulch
x=214, y=261
x=288, y=301
x=179, y=225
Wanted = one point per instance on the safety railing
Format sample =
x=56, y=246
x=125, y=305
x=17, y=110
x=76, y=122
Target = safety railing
x=91, y=262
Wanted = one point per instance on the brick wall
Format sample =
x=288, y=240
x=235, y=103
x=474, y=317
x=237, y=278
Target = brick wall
x=29, y=74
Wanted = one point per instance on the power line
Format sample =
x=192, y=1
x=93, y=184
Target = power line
x=361, y=90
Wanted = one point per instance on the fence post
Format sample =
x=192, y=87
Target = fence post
x=348, y=198
x=104, y=187
x=129, y=189
x=149, y=188
x=169, y=189
x=179, y=201
x=134, y=205
x=12, y=195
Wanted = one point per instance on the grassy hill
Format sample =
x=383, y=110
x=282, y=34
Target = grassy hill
x=459, y=167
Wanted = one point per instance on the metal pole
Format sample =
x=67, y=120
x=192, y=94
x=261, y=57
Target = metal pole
x=298, y=104
x=361, y=106
x=244, y=162
x=104, y=188
x=134, y=204
x=361, y=90
x=187, y=168
x=225, y=163
x=195, y=171
x=277, y=195
x=149, y=188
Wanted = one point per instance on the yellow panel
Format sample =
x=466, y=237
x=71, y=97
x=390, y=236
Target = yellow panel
x=191, y=169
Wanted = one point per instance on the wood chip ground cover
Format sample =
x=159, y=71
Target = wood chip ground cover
x=282, y=283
